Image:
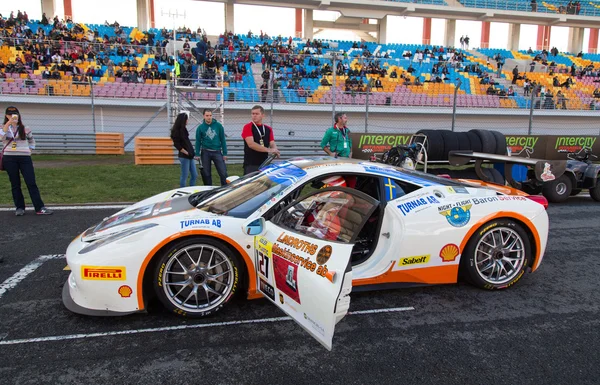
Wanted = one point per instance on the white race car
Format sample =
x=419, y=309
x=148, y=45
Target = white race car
x=305, y=233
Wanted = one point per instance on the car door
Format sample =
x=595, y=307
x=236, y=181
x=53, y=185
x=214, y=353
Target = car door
x=303, y=257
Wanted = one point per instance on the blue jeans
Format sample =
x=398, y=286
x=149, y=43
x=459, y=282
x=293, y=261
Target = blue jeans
x=217, y=158
x=15, y=164
x=188, y=166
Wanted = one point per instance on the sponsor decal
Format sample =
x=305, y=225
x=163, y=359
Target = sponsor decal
x=202, y=222
x=323, y=255
x=125, y=291
x=286, y=277
x=449, y=252
x=457, y=214
x=547, y=174
x=479, y=201
x=298, y=244
x=305, y=263
x=179, y=193
x=457, y=190
x=574, y=143
x=103, y=273
x=389, y=171
x=364, y=144
x=262, y=265
x=315, y=325
x=266, y=289
x=281, y=298
x=416, y=260
x=523, y=146
x=161, y=208
x=284, y=173
x=409, y=206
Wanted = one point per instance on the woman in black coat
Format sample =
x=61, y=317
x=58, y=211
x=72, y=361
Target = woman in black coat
x=181, y=141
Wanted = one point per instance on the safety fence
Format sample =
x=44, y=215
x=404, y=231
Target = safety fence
x=151, y=150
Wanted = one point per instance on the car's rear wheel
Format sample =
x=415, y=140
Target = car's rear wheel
x=196, y=277
x=497, y=256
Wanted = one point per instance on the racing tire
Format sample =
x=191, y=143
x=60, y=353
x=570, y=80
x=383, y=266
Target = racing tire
x=500, y=142
x=464, y=143
x=475, y=142
x=450, y=143
x=575, y=191
x=595, y=193
x=196, y=277
x=495, y=176
x=435, y=144
x=531, y=190
x=558, y=190
x=497, y=255
x=488, y=141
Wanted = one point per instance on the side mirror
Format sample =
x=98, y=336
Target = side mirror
x=255, y=227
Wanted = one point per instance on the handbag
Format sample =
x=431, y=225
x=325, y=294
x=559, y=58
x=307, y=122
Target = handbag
x=2, y=154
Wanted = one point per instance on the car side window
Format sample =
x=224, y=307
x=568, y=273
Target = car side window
x=394, y=189
x=331, y=214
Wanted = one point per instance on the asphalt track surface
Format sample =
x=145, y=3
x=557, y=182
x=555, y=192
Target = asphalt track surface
x=544, y=330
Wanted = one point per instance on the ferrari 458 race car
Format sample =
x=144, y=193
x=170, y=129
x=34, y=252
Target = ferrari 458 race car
x=304, y=233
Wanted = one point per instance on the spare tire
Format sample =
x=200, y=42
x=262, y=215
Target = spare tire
x=475, y=141
x=435, y=144
x=464, y=144
x=500, y=142
x=450, y=143
x=488, y=141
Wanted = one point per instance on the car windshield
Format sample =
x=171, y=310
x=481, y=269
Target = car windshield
x=246, y=195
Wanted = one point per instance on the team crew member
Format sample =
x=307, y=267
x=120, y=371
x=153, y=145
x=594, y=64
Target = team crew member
x=337, y=142
x=211, y=146
x=259, y=141
x=16, y=145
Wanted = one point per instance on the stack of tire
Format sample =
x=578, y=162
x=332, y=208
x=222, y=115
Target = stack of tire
x=441, y=142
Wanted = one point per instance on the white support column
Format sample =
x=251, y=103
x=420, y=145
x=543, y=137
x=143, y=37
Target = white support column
x=143, y=14
x=48, y=7
x=450, y=35
x=514, y=36
x=382, y=34
x=575, y=40
x=229, y=22
x=308, y=24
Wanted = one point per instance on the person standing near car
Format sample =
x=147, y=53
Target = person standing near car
x=259, y=141
x=181, y=141
x=211, y=146
x=18, y=142
x=336, y=141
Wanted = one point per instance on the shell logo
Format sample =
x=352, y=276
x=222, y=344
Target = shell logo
x=449, y=252
x=125, y=291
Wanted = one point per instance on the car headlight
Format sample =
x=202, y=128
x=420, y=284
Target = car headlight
x=115, y=237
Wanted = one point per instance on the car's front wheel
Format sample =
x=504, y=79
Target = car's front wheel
x=196, y=277
x=497, y=255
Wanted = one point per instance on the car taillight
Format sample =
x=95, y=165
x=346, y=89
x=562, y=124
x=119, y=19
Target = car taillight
x=444, y=176
x=539, y=199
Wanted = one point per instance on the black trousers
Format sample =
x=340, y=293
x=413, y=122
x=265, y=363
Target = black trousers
x=16, y=165
x=249, y=168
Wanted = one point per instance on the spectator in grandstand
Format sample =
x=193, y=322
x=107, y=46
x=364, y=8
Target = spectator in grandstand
x=533, y=6
x=181, y=141
x=467, y=39
x=17, y=144
x=515, y=73
x=597, y=93
x=259, y=141
x=211, y=146
x=511, y=91
x=337, y=142
x=561, y=100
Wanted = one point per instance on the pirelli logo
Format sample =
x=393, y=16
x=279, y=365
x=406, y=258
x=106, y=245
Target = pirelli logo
x=102, y=273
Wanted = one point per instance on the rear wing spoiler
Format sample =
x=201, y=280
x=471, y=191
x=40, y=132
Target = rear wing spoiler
x=545, y=170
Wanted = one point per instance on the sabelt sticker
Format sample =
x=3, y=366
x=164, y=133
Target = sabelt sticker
x=286, y=277
x=449, y=252
x=103, y=273
x=416, y=260
x=125, y=291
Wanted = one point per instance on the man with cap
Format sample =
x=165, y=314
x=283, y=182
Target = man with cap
x=337, y=141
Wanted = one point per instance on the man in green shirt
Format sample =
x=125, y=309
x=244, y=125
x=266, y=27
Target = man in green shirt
x=211, y=146
x=337, y=142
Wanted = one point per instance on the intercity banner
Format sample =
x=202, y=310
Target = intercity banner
x=551, y=147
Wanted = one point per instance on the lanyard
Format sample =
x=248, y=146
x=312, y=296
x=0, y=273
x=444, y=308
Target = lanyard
x=262, y=133
x=342, y=131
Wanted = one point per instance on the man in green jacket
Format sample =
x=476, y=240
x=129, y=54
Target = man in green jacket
x=211, y=146
x=337, y=142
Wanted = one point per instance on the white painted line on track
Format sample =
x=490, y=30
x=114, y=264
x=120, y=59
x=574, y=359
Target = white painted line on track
x=183, y=327
x=25, y=271
x=97, y=207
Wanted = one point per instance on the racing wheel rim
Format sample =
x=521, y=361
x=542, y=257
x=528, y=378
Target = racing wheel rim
x=500, y=255
x=198, y=277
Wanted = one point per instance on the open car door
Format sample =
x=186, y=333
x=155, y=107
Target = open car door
x=303, y=257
